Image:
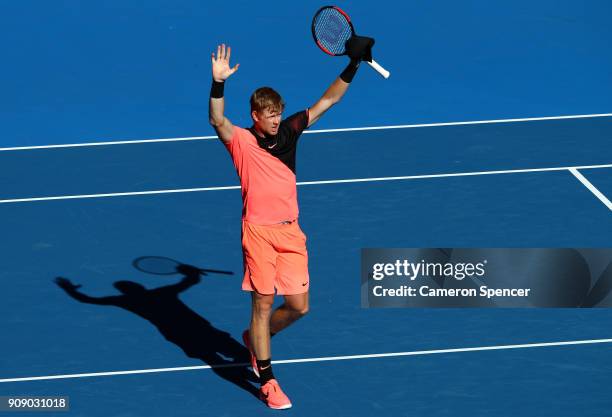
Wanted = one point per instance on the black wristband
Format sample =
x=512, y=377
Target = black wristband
x=216, y=90
x=350, y=71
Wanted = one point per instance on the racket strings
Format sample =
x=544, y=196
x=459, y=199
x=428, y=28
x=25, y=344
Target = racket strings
x=332, y=30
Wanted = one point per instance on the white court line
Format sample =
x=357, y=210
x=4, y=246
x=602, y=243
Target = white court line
x=321, y=359
x=354, y=180
x=350, y=129
x=83, y=196
x=591, y=188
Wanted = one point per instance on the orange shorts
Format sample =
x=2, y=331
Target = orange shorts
x=275, y=256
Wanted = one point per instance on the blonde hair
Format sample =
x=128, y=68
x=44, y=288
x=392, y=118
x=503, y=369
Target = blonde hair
x=267, y=98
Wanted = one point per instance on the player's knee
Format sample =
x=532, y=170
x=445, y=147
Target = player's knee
x=262, y=308
x=303, y=311
x=297, y=305
x=299, y=310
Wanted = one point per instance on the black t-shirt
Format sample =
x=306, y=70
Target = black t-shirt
x=284, y=144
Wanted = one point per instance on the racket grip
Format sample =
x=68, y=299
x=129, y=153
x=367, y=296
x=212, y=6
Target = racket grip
x=379, y=69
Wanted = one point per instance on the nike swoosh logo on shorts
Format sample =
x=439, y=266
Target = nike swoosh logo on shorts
x=304, y=284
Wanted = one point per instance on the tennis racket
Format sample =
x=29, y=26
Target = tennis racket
x=160, y=265
x=331, y=28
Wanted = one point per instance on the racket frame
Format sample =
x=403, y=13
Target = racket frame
x=314, y=34
x=136, y=263
x=375, y=65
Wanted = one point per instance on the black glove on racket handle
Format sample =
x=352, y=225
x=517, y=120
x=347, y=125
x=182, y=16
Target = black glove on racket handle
x=359, y=48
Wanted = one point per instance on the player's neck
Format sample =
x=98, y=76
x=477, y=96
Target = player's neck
x=259, y=132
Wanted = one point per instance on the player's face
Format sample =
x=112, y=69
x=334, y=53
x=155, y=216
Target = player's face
x=268, y=121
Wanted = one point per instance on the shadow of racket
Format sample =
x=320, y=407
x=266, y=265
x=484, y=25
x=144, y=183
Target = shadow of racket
x=161, y=265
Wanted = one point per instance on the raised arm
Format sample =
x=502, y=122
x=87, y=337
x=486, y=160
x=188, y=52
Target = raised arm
x=333, y=94
x=221, y=71
x=358, y=48
x=72, y=290
x=191, y=278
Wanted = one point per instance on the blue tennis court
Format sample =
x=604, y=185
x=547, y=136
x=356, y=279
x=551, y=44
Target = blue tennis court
x=95, y=178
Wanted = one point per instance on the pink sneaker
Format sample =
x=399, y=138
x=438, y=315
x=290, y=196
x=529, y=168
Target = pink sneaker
x=273, y=396
x=247, y=342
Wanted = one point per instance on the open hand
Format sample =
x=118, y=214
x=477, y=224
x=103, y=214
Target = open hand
x=66, y=284
x=221, y=69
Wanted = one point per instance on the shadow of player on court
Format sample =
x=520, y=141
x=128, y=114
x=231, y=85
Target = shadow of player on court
x=178, y=323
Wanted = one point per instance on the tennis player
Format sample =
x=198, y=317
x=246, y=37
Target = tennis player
x=273, y=245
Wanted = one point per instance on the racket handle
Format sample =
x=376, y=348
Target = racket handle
x=379, y=69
